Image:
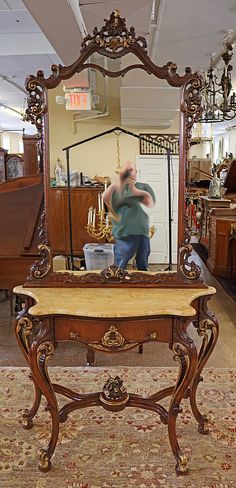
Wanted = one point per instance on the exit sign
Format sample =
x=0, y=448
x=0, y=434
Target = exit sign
x=78, y=101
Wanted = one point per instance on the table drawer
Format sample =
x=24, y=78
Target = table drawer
x=113, y=334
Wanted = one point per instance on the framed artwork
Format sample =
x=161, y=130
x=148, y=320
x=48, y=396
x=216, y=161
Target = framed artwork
x=14, y=166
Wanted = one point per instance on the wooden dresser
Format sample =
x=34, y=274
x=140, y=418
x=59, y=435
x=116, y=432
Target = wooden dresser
x=222, y=248
x=81, y=199
x=207, y=205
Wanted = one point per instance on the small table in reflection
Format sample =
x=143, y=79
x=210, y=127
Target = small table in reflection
x=114, y=320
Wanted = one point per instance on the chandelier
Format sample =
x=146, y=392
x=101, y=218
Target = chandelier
x=219, y=102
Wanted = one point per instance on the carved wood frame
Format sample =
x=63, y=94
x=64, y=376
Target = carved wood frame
x=114, y=40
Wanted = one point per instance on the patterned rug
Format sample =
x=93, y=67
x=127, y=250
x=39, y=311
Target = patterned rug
x=100, y=449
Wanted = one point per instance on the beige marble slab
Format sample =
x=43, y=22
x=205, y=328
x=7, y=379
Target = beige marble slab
x=113, y=302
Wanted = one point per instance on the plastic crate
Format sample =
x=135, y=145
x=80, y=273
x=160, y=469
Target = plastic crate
x=98, y=256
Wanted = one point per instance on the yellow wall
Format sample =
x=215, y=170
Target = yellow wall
x=98, y=156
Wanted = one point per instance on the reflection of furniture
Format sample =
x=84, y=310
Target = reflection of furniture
x=30, y=143
x=81, y=199
x=232, y=248
x=207, y=205
x=14, y=166
x=3, y=154
x=222, y=248
x=230, y=182
x=198, y=169
x=21, y=200
x=99, y=319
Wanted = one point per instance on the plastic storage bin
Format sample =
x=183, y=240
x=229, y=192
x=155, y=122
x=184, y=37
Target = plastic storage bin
x=98, y=256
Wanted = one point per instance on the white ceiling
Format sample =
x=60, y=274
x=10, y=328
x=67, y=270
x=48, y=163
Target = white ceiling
x=36, y=34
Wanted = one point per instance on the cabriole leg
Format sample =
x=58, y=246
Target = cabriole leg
x=40, y=352
x=207, y=328
x=186, y=353
x=24, y=329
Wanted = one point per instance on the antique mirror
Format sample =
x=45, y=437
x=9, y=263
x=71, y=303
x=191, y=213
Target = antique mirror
x=102, y=52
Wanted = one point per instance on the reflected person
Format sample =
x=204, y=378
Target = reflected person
x=130, y=223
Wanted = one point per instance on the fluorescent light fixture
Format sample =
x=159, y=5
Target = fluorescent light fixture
x=74, y=5
x=10, y=110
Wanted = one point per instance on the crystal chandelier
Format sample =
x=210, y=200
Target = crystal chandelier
x=219, y=102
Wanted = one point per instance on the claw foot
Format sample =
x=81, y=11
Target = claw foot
x=27, y=422
x=44, y=463
x=182, y=465
x=203, y=427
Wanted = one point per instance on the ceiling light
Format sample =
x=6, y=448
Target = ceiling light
x=219, y=101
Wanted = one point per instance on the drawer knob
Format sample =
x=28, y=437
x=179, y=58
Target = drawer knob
x=151, y=336
x=112, y=339
x=74, y=335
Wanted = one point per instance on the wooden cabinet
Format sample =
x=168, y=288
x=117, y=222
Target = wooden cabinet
x=207, y=205
x=222, y=248
x=30, y=143
x=81, y=199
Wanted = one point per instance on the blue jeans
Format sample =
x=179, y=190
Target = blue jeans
x=128, y=247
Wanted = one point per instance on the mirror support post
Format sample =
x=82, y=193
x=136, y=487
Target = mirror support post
x=71, y=264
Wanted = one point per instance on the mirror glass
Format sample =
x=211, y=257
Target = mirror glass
x=87, y=105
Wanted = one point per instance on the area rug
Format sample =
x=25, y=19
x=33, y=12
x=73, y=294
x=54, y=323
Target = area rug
x=100, y=449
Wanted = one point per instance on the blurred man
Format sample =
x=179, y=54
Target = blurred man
x=130, y=224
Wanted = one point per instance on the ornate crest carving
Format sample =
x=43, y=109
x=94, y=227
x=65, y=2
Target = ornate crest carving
x=114, y=35
x=127, y=279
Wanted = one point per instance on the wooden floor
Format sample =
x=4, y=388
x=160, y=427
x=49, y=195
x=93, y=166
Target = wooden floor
x=71, y=354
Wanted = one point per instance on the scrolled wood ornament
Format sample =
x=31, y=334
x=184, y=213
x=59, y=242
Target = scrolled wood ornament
x=114, y=35
x=191, y=104
x=36, y=101
x=42, y=265
x=189, y=269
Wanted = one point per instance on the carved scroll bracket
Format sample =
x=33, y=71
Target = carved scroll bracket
x=24, y=329
x=41, y=266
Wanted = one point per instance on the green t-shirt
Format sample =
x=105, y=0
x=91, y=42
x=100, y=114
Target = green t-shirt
x=132, y=218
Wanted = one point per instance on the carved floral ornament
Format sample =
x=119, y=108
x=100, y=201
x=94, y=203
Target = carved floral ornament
x=114, y=35
x=114, y=40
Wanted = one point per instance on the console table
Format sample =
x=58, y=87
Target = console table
x=111, y=320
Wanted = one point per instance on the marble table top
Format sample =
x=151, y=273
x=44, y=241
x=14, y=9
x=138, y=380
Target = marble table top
x=114, y=302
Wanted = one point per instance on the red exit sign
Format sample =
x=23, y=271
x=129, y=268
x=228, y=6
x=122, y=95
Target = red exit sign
x=78, y=101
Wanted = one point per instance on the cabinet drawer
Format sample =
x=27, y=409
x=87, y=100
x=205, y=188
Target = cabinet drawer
x=113, y=334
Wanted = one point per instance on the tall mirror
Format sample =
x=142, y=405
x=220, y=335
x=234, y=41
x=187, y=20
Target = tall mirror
x=90, y=122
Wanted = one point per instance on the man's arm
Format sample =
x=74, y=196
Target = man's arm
x=107, y=198
x=107, y=194
x=147, y=197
